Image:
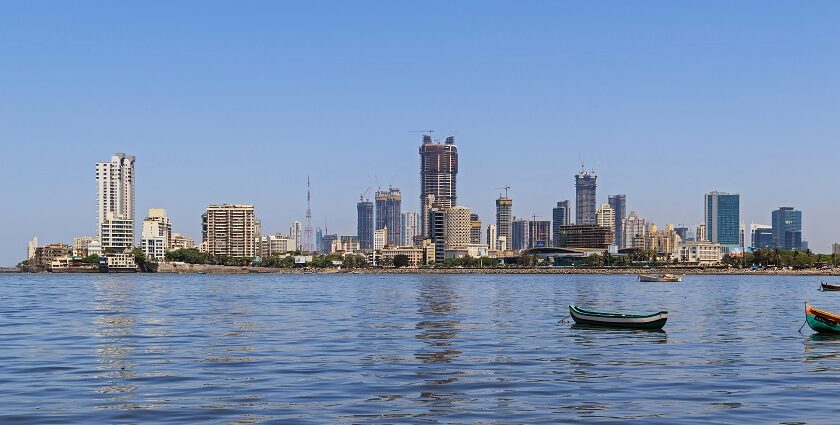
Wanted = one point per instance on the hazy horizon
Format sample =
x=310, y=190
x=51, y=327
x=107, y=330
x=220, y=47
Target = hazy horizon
x=239, y=103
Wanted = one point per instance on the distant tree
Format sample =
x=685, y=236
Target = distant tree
x=401, y=260
x=91, y=259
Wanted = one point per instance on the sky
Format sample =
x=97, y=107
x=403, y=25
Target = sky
x=237, y=102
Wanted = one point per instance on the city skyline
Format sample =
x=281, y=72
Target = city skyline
x=598, y=98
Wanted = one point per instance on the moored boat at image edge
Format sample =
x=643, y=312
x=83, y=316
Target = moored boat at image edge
x=821, y=321
x=660, y=278
x=829, y=287
x=617, y=320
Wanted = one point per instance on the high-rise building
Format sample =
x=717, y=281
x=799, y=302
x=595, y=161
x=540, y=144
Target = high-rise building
x=539, y=233
x=504, y=217
x=457, y=227
x=723, y=218
x=364, y=227
x=585, y=197
x=295, y=233
x=308, y=244
x=410, y=227
x=605, y=217
x=519, y=234
x=319, y=234
x=437, y=232
x=561, y=215
x=492, y=237
x=787, y=228
x=156, y=234
x=116, y=183
x=619, y=204
x=229, y=230
x=438, y=175
x=761, y=236
x=475, y=229
x=632, y=227
x=388, y=213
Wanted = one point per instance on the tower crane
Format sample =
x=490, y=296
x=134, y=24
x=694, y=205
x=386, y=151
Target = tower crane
x=506, y=188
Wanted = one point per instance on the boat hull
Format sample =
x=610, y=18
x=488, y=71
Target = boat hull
x=652, y=278
x=612, y=320
x=822, y=321
x=829, y=287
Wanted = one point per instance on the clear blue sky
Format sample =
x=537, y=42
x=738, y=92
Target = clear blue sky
x=238, y=101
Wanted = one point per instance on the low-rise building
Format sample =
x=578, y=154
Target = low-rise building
x=180, y=241
x=702, y=253
x=44, y=255
x=416, y=256
x=345, y=244
x=80, y=245
x=275, y=244
x=121, y=262
x=468, y=250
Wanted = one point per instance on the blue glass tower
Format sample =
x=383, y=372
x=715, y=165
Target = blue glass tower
x=723, y=218
x=787, y=228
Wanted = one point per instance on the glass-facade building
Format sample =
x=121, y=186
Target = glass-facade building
x=560, y=216
x=619, y=204
x=723, y=218
x=787, y=228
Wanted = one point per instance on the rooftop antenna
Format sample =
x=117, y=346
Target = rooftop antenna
x=307, y=228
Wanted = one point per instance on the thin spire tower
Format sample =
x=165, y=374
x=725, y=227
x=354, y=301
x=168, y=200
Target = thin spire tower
x=307, y=227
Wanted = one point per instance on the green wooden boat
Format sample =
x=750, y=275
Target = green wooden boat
x=822, y=321
x=617, y=320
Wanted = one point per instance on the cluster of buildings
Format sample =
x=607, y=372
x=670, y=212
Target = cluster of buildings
x=441, y=230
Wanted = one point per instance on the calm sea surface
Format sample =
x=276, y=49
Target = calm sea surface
x=409, y=349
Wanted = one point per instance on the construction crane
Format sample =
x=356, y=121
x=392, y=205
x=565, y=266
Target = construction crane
x=362, y=196
x=422, y=131
x=506, y=188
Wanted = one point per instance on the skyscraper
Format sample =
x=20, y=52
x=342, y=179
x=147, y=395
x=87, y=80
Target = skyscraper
x=364, y=227
x=560, y=216
x=295, y=233
x=519, y=234
x=585, y=197
x=619, y=204
x=409, y=228
x=393, y=209
x=116, y=184
x=761, y=236
x=437, y=232
x=492, y=235
x=504, y=207
x=633, y=228
x=388, y=214
x=438, y=173
x=787, y=228
x=308, y=245
x=723, y=218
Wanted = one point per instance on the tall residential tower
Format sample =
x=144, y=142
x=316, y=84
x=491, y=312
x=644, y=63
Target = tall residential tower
x=438, y=173
x=585, y=197
x=116, y=190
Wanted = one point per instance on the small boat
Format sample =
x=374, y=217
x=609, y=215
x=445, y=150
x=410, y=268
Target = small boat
x=634, y=321
x=829, y=287
x=822, y=321
x=660, y=278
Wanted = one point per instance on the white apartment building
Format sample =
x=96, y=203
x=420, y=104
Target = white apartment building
x=116, y=233
x=409, y=221
x=632, y=228
x=380, y=238
x=156, y=235
x=116, y=184
x=701, y=252
x=229, y=230
x=180, y=241
x=275, y=244
x=605, y=216
x=31, y=247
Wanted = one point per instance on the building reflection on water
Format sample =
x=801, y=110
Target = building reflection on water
x=115, y=326
x=438, y=328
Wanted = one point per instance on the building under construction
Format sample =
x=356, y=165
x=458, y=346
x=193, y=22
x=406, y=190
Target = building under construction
x=438, y=174
x=388, y=214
